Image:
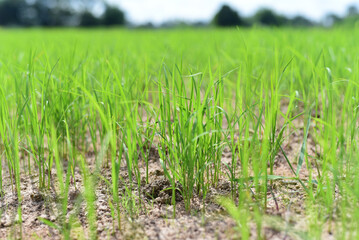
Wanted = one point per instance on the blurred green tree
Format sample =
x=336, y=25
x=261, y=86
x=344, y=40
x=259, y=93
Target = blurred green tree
x=300, y=21
x=113, y=16
x=268, y=17
x=87, y=19
x=227, y=17
x=352, y=11
x=10, y=12
x=332, y=19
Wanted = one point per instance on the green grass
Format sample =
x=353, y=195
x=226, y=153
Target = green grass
x=191, y=94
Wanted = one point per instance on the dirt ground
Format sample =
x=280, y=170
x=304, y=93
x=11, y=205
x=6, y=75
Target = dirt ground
x=286, y=205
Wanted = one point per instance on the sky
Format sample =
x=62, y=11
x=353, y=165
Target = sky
x=158, y=11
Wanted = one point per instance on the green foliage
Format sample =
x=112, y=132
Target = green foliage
x=227, y=17
x=87, y=19
x=268, y=17
x=58, y=13
x=113, y=16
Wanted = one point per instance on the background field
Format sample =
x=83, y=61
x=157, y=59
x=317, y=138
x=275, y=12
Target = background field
x=130, y=134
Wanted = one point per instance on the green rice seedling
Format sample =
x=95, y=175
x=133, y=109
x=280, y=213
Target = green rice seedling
x=145, y=136
x=1, y=169
x=10, y=140
x=128, y=146
x=240, y=213
x=90, y=198
x=63, y=183
x=37, y=122
x=190, y=126
x=4, y=137
x=2, y=143
x=108, y=126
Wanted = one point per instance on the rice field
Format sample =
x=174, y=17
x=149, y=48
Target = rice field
x=179, y=134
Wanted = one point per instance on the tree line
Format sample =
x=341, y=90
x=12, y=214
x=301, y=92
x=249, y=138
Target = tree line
x=55, y=13
x=227, y=17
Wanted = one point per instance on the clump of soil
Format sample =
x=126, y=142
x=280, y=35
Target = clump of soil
x=160, y=191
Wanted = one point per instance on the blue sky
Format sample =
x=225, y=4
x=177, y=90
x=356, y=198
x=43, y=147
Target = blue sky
x=157, y=11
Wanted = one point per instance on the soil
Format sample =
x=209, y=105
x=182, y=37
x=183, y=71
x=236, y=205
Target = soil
x=154, y=220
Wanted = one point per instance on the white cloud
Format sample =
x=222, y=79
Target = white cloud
x=157, y=11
